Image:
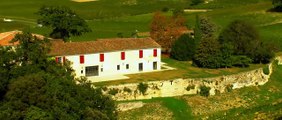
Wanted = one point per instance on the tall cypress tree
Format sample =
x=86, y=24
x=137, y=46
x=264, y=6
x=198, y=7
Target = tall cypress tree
x=197, y=31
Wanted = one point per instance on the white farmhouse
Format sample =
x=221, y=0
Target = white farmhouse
x=106, y=57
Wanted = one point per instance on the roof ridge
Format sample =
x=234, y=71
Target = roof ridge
x=6, y=34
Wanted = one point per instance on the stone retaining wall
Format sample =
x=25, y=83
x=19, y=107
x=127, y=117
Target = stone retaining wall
x=178, y=87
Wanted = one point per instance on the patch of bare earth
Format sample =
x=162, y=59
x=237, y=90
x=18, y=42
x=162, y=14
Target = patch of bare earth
x=150, y=111
x=205, y=106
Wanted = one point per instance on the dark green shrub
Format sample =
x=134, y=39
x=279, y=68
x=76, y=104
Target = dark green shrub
x=241, y=61
x=126, y=89
x=142, y=87
x=165, y=9
x=183, y=48
x=266, y=70
x=189, y=87
x=196, y=2
x=277, y=5
x=204, y=91
x=113, y=91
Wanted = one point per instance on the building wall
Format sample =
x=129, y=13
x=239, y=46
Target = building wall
x=112, y=59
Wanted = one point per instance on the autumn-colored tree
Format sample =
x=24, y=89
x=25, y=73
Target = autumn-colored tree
x=165, y=30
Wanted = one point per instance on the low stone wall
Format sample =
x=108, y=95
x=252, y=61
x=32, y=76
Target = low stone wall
x=178, y=87
x=279, y=59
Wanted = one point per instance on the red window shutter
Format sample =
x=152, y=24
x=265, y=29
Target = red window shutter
x=122, y=55
x=140, y=53
x=64, y=59
x=101, y=57
x=81, y=58
x=57, y=59
x=155, y=53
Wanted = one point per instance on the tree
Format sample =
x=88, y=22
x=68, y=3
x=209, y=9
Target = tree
x=241, y=61
x=204, y=28
x=243, y=36
x=177, y=12
x=196, y=2
x=6, y=65
x=245, y=41
x=63, y=21
x=207, y=27
x=277, y=5
x=165, y=30
x=226, y=55
x=38, y=88
x=197, y=31
x=263, y=53
x=183, y=48
x=208, y=53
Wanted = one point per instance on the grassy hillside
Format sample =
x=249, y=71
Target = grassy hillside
x=109, y=17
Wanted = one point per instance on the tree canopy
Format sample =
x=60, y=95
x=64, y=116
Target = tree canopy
x=196, y=2
x=183, y=48
x=208, y=53
x=245, y=40
x=277, y=5
x=243, y=36
x=165, y=30
x=33, y=86
x=63, y=21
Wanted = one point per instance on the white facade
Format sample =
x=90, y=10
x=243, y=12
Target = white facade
x=113, y=63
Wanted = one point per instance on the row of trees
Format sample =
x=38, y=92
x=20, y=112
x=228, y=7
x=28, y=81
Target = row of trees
x=33, y=86
x=238, y=44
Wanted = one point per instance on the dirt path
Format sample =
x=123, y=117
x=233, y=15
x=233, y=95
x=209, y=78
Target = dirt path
x=197, y=10
x=23, y=20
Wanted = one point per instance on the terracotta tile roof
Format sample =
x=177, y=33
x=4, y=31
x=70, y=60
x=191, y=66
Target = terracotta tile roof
x=6, y=37
x=101, y=45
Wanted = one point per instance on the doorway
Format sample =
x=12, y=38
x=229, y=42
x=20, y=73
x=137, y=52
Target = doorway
x=91, y=71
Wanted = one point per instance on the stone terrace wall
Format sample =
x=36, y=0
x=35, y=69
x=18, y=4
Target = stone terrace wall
x=178, y=87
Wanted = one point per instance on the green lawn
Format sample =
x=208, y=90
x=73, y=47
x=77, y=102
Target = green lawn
x=101, y=9
x=109, y=17
x=176, y=106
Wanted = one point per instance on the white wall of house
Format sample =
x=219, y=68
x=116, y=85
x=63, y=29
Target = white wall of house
x=113, y=59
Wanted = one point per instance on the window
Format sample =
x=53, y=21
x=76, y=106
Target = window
x=101, y=57
x=155, y=53
x=140, y=67
x=155, y=65
x=81, y=59
x=59, y=59
x=118, y=67
x=101, y=69
x=91, y=71
x=122, y=55
x=127, y=66
x=140, y=53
